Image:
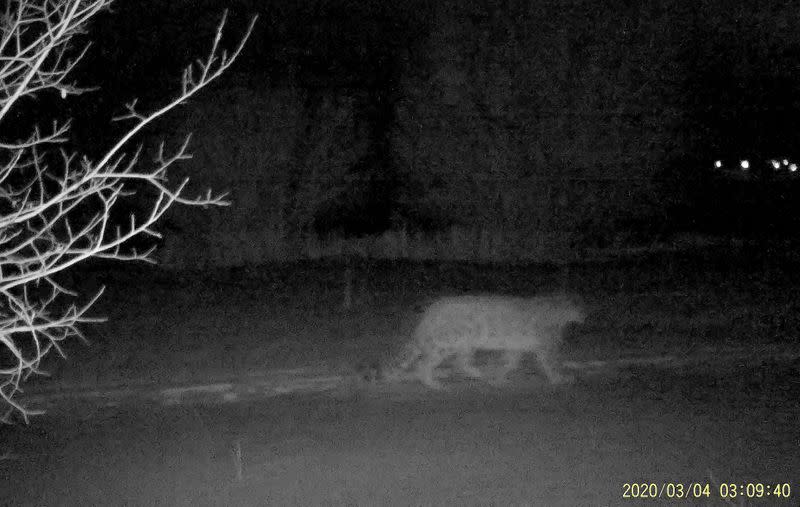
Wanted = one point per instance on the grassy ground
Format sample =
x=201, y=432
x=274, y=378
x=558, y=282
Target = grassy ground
x=196, y=327
x=710, y=422
x=472, y=445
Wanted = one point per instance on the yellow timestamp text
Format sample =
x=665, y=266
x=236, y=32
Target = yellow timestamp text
x=733, y=490
x=725, y=490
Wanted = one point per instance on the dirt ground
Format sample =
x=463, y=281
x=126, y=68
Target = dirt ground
x=180, y=328
x=706, y=419
x=527, y=444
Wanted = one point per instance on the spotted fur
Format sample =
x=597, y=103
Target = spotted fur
x=456, y=327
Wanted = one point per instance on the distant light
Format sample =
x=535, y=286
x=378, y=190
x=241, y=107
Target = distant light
x=744, y=164
x=793, y=167
x=785, y=162
x=775, y=164
x=718, y=163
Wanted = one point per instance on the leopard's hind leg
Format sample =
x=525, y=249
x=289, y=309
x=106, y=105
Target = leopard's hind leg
x=425, y=368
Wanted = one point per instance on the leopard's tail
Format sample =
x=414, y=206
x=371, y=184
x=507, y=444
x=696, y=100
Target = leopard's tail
x=403, y=363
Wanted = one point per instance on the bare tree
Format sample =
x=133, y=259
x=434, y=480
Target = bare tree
x=56, y=215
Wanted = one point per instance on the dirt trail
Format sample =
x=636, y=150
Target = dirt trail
x=469, y=445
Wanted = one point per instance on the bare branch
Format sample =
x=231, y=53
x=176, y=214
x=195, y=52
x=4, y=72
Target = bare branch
x=51, y=220
x=35, y=38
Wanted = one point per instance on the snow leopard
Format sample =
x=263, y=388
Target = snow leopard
x=454, y=328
